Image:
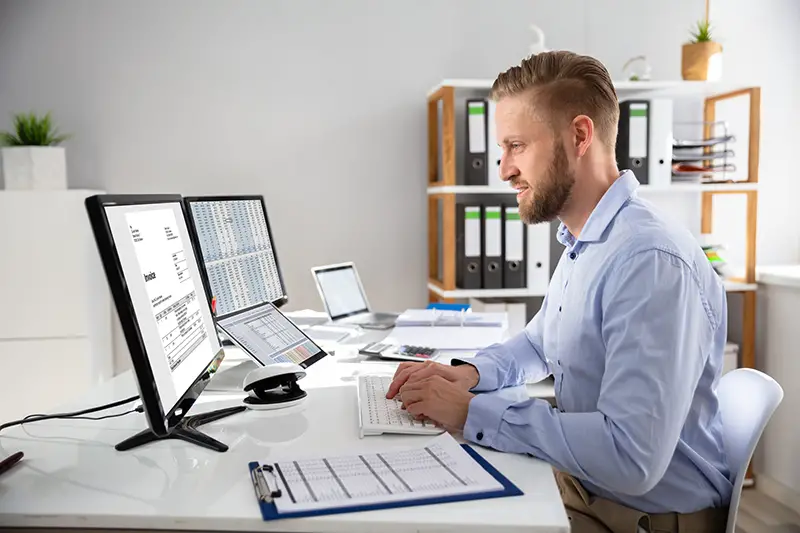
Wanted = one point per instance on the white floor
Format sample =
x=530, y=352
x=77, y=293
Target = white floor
x=759, y=513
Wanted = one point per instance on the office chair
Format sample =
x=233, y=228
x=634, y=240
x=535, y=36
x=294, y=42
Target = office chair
x=747, y=399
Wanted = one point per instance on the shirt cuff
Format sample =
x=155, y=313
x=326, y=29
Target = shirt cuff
x=484, y=417
x=487, y=372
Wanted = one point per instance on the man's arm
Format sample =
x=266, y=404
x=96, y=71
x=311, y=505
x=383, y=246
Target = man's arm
x=514, y=361
x=657, y=334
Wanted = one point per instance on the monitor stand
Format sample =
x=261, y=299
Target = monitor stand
x=185, y=430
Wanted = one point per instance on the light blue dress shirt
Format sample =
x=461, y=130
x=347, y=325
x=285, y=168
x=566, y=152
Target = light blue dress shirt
x=633, y=329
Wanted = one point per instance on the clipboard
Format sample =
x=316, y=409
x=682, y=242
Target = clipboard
x=266, y=493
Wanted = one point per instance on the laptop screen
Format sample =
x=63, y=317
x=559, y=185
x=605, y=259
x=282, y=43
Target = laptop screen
x=341, y=291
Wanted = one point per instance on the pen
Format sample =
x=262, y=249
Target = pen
x=10, y=461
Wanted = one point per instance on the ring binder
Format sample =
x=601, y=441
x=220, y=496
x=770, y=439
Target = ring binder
x=261, y=486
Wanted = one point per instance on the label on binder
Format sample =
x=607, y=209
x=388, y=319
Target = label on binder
x=637, y=135
x=472, y=231
x=493, y=232
x=514, y=244
x=477, y=130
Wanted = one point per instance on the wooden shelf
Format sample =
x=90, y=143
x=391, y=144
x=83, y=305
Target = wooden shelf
x=483, y=293
x=730, y=286
x=674, y=188
x=624, y=88
x=738, y=286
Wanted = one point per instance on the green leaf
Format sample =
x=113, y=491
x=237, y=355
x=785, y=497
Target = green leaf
x=702, y=33
x=31, y=130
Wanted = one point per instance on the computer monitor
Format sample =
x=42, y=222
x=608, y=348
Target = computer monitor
x=154, y=276
x=235, y=241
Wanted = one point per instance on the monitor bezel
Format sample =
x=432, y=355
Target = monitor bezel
x=188, y=200
x=305, y=364
x=340, y=266
x=158, y=419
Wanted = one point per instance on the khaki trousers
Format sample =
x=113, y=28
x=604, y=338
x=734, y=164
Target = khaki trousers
x=592, y=514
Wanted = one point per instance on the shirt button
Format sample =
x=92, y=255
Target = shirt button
x=479, y=435
x=573, y=255
x=559, y=308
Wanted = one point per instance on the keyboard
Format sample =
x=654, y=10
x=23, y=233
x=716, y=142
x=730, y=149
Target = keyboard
x=377, y=415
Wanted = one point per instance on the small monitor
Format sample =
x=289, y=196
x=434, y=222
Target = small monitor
x=235, y=242
x=340, y=290
x=267, y=336
x=155, y=280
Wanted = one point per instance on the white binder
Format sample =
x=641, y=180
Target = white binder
x=538, y=260
x=660, y=140
x=494, y=152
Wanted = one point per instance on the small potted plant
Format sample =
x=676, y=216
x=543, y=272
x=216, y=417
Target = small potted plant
x=702, y=57
x=31, y=157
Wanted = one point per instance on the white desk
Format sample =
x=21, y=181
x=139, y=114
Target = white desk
x=72, y=477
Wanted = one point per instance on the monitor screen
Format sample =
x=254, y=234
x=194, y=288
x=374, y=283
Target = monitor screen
x=341, y=291
x=236, y=245
x=166, y=293
x=269, y=337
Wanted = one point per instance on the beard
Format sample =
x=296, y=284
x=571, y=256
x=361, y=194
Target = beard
x=548, y=197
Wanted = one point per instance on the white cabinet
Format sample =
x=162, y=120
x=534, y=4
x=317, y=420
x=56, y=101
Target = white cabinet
x=55, y=307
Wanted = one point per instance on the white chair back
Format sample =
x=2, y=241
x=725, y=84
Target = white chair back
x=747, y=399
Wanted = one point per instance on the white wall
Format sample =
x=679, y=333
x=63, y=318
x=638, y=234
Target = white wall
x=320, y=106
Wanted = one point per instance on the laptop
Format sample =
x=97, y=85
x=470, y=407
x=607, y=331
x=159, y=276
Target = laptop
x=344, y=298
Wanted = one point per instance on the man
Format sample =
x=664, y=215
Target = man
x=632, y=328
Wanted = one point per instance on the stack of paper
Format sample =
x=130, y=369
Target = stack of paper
x=439, y=317
x=449, y=330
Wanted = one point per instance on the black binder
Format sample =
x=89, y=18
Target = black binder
x=476, y=149
x=633, y=138
x=492, y=247
x=468, y=246
x=515, y=247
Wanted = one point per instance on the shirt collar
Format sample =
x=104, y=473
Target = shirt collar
x=604, y=212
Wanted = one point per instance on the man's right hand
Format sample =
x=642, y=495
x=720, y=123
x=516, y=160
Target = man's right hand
x=465, y=376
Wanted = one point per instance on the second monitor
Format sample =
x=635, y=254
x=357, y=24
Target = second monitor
x=235, y=241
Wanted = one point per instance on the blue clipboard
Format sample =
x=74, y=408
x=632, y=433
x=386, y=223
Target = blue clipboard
x=270, y=512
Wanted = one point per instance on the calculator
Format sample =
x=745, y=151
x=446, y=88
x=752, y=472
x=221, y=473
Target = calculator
x=386, y=350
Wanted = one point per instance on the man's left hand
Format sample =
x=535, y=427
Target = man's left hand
x=438, y=399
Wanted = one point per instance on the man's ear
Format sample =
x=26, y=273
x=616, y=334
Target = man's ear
x=582, y=134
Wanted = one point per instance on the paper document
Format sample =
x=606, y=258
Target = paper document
x=440, y=468
x=447, y=338
x=439, y=317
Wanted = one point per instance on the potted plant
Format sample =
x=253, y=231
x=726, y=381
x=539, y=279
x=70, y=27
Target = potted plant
x=702, y=57
x=31, y=157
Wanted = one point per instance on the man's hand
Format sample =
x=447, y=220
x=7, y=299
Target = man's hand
x=464, y=376
x=438, y=399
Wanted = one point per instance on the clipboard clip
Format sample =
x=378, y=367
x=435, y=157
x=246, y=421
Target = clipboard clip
x=263, y=491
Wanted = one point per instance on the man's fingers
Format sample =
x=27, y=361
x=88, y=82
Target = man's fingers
x=400, y=377
x=408, y=372
x=411, y=397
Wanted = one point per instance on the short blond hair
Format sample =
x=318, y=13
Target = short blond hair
x=567, y=85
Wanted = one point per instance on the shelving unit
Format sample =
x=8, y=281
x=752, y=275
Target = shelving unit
x=443, y=190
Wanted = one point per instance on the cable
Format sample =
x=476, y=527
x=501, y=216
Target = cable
x=77, y=414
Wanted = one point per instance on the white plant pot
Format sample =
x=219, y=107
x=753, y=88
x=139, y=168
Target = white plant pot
x=34, y=168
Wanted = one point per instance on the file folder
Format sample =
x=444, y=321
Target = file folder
x=469, y=264
x=514, y=245
x=492, y=247
x=542, y=245
x=494, y=152
x=476, y=142
x=660, y=142
x=632, y=138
